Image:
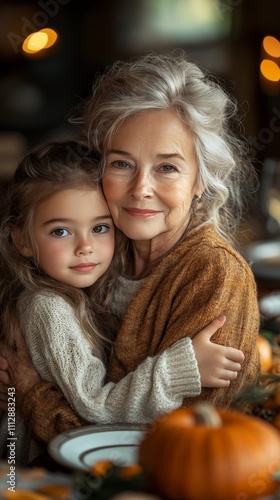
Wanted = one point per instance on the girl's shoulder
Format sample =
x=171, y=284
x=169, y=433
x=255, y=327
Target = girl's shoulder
x=42, y=300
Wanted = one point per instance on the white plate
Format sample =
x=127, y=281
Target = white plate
x=81, y=448
x=270, y=305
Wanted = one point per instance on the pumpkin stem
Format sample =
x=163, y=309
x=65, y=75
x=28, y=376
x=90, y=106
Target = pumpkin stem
x=206, y=414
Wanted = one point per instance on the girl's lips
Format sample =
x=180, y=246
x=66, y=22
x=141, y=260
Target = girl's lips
x=141, y=213
x=83, y=268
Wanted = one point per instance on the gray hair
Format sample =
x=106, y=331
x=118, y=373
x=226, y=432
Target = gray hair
x=170, y=81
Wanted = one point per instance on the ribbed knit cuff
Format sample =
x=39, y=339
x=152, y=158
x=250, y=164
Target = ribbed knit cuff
x=182, y=369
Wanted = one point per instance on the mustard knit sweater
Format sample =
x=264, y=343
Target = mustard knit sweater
x=200, y=279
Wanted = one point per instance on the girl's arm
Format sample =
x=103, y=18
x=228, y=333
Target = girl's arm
x=62, y=355
x=45, y=409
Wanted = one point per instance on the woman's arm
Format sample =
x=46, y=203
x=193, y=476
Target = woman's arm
x=45, y=420
x=16, y=365
x=63, y=356
x=195, y=283
x=223, y=282
x=53, y=415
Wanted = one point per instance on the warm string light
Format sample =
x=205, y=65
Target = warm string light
x=272, y=46
x=270, y=65
x=270, y=70
x=39, y=40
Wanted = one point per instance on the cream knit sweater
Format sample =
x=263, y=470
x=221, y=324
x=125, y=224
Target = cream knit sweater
x=200, y=279
x=63, y=356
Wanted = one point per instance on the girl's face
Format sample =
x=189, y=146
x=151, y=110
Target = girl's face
x=74, y=233
x=150, y=178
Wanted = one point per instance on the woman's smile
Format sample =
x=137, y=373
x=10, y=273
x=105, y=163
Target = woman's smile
x=141, y=213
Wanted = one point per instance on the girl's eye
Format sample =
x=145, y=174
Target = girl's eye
x=102, y=228
x=60, y=233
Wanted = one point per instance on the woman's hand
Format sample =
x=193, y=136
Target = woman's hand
x=4, y=384
x=4, y=397
x=217, y=364
x=16, y=370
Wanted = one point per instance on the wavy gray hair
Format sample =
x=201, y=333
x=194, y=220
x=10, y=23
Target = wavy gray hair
x=167, y=81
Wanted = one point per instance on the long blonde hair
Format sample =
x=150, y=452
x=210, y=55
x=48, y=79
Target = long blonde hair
x=44, y=171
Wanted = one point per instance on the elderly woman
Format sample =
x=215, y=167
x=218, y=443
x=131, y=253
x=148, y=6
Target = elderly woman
x=174, y=176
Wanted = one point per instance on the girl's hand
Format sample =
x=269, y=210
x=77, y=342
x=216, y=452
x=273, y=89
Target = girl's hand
x=217, y=364
x=16, y=370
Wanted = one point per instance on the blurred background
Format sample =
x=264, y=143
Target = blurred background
x=43, y=76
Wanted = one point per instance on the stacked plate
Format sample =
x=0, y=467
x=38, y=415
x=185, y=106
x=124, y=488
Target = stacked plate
x=81, y=448
x=264, y=259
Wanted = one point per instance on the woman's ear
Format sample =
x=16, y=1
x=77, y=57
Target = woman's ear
x=198, y=194
x=19, y=243
x=198, y=189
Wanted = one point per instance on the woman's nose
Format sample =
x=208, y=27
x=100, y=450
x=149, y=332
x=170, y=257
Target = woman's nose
x=141, y=186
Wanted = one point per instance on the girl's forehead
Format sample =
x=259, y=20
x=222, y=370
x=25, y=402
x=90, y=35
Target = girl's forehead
x=70, y=195
x=72, y=204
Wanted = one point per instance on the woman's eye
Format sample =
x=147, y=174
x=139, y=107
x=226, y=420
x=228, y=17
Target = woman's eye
x=168, y=168
x=102, y=228
x=60, y=233
x=120, y=164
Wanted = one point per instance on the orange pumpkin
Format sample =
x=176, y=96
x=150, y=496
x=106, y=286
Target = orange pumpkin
x=200, y=453
x=20, y=494
x=265, y=351
x=56, y=491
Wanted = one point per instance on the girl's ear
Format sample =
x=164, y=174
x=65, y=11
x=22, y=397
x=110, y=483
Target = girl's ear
x=19, y=243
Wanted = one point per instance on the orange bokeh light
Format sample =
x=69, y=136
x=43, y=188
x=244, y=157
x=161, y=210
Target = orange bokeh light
x=52, y=37
x=39, y=40
x=270, y=70
x=35, y=42
x=272, y=46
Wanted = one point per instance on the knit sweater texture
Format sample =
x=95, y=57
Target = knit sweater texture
x=200, y=279
x=62, y=355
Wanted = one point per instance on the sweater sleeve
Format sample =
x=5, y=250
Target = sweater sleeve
x=197, y=282
x=63, y=356
x=46, y=412
x=222, y=284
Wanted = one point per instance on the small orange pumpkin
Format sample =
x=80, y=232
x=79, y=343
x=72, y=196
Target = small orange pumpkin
x=199, y=453
x=56, y=491
x=19, y=494
x=265, y=351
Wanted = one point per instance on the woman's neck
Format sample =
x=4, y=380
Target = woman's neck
x=141, y=261
x=147, y=254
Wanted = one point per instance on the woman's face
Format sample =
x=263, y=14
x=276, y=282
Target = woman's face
x=150, y=177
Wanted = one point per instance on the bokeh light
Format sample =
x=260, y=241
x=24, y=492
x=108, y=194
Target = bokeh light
x=272, y=46
x=39, y=40
x=52, y=37
x=270, y=70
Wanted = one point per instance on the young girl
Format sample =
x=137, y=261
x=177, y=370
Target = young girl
x=58, y=273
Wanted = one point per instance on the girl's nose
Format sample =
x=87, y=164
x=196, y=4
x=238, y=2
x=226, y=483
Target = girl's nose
x=84, y=248
x=141, y=186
